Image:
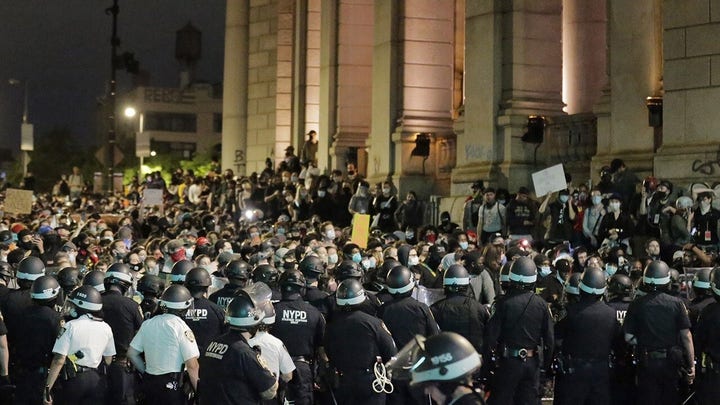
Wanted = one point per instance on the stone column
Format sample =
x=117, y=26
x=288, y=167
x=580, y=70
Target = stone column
x=635, y=71
x=235, y=86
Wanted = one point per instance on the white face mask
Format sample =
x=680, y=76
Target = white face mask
x=545, y=270
x=463, y=245
x=321, y=193
x=614, y=206
x=413, y=261
x=330, y=234
x=189, y=252
x=333, y=258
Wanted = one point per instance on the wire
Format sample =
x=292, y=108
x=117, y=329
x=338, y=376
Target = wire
x=382, y=384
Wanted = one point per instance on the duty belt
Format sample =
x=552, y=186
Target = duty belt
x=82, y=369
x=657, y=354
x=301, y=359
x=521, y=353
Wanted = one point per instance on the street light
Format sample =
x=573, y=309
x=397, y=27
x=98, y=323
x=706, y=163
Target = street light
x=130, y=112
x=26, y=128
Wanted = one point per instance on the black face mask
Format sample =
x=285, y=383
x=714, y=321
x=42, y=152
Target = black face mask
x=660, y=195
x=25, y=245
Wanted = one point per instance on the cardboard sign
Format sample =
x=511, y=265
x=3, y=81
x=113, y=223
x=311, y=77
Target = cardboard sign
x=152, y=197
x=549, y=180
x=18, y=201
x=361, y=230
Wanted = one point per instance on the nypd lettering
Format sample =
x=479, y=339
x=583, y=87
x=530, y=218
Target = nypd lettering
x=216, y=350
x=196, y=314
x=223, y=302
x=294, y=316
x=620, y=314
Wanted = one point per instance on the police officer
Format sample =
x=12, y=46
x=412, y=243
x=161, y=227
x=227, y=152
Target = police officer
x=349, y=269
x=69, y=279
x=707, y=338
x=17, y=302
x=442, y=367
x=458, y=312
x=405, y=317
x=622, y=376
x=301, y=327
x=238, y=274
x=124, y=317
x=232, y=372
x=312, y=267
x=83, y=343
x=658, y=325
x=551, y=287
x=520, y=332
x=265, y=273
x=149, y=289
x=354, y=341
x=6, y=275
x=584, y=338
x=179, y=271
x=703, y=294
x=272, y=350
x=95, y=279
x=379, y=278
x=168, y=344
x=31, y=355
x=206, y=319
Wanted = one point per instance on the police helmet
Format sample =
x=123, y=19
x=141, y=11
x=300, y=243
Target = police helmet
x=572, y=285
x=95, y=279
x=44, y=288
x=348, y=269
x=311, y=267
x=715, y=281
x=456, y=276
x=505, y=273
x=656, y=275
x=16, y=256
x=242, y=311
x=674, y=280
x=620, y=285
x=5, y=238
x=208, y=223
x=292, y=280
x=180, y=270
x=6, y=270
x=400, y=280
x=265, y=273
x=86, y=298
x=119, y=274
x=237, y=270
x=150, y=284
x=593, y=281
x=349, y=293
x=176, y=297
x=69, y=278
x=30, y=268
x=523, y=272
x=197, y=277
x=382, y=271
x=444, y=357
x=701, y=280
x=269, y=310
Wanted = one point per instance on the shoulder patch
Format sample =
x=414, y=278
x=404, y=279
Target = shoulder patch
x=385, y=328
x=62, y=329
x=1, y=317
x=189, y=335
x=262, y=361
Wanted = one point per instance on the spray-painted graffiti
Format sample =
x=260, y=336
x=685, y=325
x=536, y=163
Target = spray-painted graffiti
x=239, y=161
x=707, y=168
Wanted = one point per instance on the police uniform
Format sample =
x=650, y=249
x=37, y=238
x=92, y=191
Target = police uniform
x=353, y=341
x=223, y=296
x=655, y=320
x=707, y=340
x=463, y=315
x=622, y=375
x=13, y=307
x=696, y=305
x=370, y=306
x=150, y=306
x=587, y=333
x=301, y=327
x=317, y=298
x=4, y=379
x=206, y=320
x=520, y=323
x=124, y=317
x=167, y=342
x=405, y=317
x=276, y=357
x=88, y=339
x=231, y=372
x=31, y=355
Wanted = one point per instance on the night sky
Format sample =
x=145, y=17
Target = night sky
x=63, y=48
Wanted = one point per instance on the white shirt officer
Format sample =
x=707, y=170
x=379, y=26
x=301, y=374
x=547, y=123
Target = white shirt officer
x=273, y=351
x=88, y=335
x=167, y=342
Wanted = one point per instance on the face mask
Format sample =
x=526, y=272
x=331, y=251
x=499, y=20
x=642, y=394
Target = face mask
x=333, y=258
x=321, y=193
x=73, y=257
x=596, y=199
x=189, y=252
x=413, y=261
x=564, y=198
x=371, y=262
x=705, y=206
x=294, y=179
x=330, y=234
x=501, y=201
x=582, y=196
x=409, y=235
x=545, y=270
x=254, y=235
x=615, y=206
x=281, y=231
x=356, y=257
x=431, y=238
x=386, y=191
x=660, y=195
x=463, y=245
x=610, y=269
x=177, y=256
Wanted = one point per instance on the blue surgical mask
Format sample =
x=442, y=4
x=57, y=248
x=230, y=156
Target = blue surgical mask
x=545, y=270
x=564, y=198
x=596, y=199
x=332, y=258
x=321, y=193
x=356, y=257
x=610, y=269
x=463, y=245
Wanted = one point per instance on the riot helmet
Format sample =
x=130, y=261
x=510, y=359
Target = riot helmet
x=150, y=285
x=83, y=300
x=348, y=269
x=238, y=272
x=265, y=273
x=30, y=268
x=523, y=273
x=180, y=270
x=400, y=280
x=312, y=267
x=69, y=278
x=456, y=278
x=593, y=282
x=197, y=279
x=118, y=274
x=715, y=282
x=701, y=281
x=656, y=276
x=620, y=287
x=95, y=279
x=45, y=289
x=242, y=313
x=292, y=281
x=350, y=293
x=176, y=299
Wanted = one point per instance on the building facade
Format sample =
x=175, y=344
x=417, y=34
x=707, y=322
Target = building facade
x=377, y=79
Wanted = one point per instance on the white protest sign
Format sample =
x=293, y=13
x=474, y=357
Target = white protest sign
x=152, y=197
x=549, y=180
x=18, y=201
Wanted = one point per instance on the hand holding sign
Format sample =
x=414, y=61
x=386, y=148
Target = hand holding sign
x=549, y=180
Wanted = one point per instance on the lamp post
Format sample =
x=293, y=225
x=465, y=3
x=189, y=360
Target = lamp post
x=26, y=128
x=114, y=43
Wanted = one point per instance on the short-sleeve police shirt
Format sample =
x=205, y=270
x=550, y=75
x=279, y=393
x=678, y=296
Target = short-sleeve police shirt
x=90, y=336
x=655, y=320
x=274, y=352
x=167, y=342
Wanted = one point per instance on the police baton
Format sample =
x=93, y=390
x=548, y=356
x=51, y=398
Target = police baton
x=692, y=394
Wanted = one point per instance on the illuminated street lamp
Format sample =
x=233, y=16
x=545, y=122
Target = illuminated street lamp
x=26, y=128
x=130, y=112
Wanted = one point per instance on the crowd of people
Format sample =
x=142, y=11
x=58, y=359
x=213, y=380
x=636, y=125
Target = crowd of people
x=239, y=290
